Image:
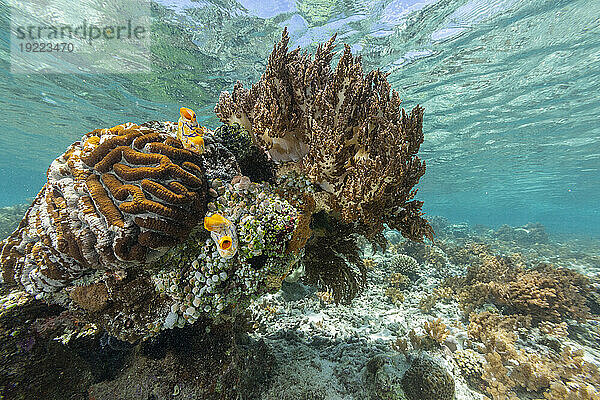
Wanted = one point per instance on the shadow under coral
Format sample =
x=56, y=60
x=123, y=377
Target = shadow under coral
x=200, y=361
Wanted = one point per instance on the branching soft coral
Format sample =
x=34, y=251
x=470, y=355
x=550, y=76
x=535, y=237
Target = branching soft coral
x=510, y=370
x=436, y=330
x=545, y=293
x=341, y=128
x=496, y=332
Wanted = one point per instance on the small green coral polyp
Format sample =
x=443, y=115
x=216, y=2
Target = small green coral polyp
x=219, y=286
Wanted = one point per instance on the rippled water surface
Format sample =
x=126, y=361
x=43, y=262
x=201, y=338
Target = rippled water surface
x=510, y=90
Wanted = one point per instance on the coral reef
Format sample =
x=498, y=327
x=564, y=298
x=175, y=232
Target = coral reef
x=116, y=230
x=118, y=197
x=533, y=317
x=341, y=128
x=144, y=228
x=197, y=279
x=545, y=293
x=525, y=235
x=426, y=379
x=510, y=370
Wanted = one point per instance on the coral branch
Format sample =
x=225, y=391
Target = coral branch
x=343, y=129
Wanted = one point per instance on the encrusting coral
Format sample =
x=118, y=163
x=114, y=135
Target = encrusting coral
x=207, y=282
x=141, y=228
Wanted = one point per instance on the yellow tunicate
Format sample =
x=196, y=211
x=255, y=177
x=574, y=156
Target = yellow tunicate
x=197, y=141
x=189, y=132
x=187, y=113
x=225, y=242
x=215, y=222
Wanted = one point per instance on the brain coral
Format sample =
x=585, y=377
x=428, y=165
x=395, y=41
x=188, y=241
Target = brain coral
x=426, y=379
x=116, y=234
x=117, y=197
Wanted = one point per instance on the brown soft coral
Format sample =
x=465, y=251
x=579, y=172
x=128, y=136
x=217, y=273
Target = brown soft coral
x=510, y=370
x=496, y=332
x=545, y=293
x=436, y=330
x=343, y=129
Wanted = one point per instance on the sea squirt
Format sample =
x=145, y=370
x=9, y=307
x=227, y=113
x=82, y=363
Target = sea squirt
x=223, y=232
x=188, y=130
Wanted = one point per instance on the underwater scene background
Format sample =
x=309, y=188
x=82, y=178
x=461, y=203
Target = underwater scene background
x=232, y=277
x=509, y=91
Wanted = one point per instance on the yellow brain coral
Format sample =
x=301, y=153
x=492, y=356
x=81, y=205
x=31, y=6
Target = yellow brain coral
x=118, y=197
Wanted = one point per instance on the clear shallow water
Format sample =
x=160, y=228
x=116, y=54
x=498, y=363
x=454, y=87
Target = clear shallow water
x=509, y=87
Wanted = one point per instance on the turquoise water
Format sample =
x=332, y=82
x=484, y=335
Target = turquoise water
x=510, y=90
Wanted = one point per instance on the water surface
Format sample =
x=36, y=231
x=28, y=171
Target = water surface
x=510, y=90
